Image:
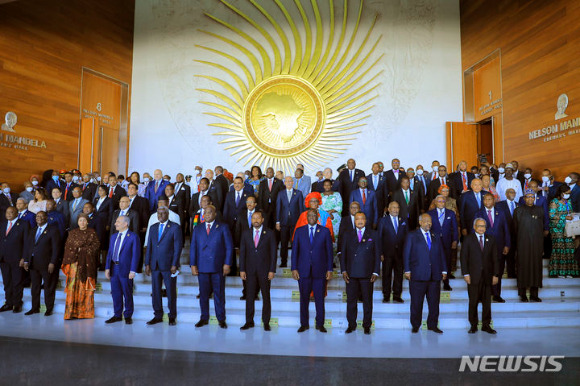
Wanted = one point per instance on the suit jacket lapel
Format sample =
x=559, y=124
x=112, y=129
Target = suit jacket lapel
x=164, y=231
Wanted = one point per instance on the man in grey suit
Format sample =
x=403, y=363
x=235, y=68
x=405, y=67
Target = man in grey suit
x=76, y=206
x=302, y=182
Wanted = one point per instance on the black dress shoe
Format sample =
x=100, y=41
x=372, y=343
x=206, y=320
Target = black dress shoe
x=451, y=276
x=17, y=309
x=472, y=330
x=155, y=321
x=48, y=312
x=498, y=299
x=524, y=299
x=243, y=297
x=415, y=330
x=172, y=322
x=198, y=296
x=398, y=300
x=303, y=328
x=535, y=299
x=32, y=312
x=114, y=319
x=283, y=265
x=350, y=329
x=267, y=327
x=489, y=330
x=321, y=328
x=447, y=288
x=367, y=330
x=436, y=330
x=5, y=308
x=128, y=320
x=222, y=324
x=385, y=300
x=247, y=326
x=202, y=323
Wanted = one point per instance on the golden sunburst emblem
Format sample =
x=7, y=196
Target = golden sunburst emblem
x=306, y=105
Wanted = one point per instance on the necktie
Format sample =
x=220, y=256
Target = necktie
x=412, y=183
x=375, y=183
x=75, y=204
x=351, y=176
x=9, y=227
x=237, y=198
x=84, y=186
x=442, y=181
x=289, y=192
x=250, y=219
x=111, y=192
x=66, y=191
x=122, y=213
x=428, y=240
x=490, y=217
x=464, y=181
x=359, y=235
x=441, y=217
x=156, y=186
x=545, y=192
x=478, y=200
x=257, y=238
x=297, y=183
x=364, y=196
x=160, y=232
x=38, y=232
x=116, y=250
x=270, y=184
x=311, y=234
x=481, y=242
x=407, y=196
x=395, y=224
x=512, y=207
x=20, y=215
x=527, y=184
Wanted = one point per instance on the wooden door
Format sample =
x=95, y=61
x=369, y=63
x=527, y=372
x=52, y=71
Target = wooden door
x=109, y=150
x=462, y=141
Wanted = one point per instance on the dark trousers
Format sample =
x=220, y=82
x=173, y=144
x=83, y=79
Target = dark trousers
x=393, y=263
x=253, y=284
x=12, y=279
x=306, y=286
x=142, y=256
x=245, y=288
x=479, y=293
x=50, y=281
x=216, y=283
x=533, y=292
x=121, y=289
x=511, y=260
x=285, y=236
x=418, y=290
x=548, y=246
x=496, y=289
x=157, y=279
x=448, y=252
x=356, y=287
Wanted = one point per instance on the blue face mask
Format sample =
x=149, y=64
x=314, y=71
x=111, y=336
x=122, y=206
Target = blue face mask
x=55, y=178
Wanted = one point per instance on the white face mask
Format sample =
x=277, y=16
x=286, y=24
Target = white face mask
x=566, y=196
x=146, y=179
x=545, y=179
x=34, y=182
x=568, y=180
x=166, y=180
x=527, y=176
x=435, y=169
x=29, y=189
x=6, y=190
x=420, y=172
x=501, y=170
x=99, y=179
x=75, y=178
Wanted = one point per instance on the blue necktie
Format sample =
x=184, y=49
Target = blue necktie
x=478, y=200
x=512, y=207
x=237, y=198
x=249, y=219
x=441, y=217
x=116, y=250
x=396, y=224
x=38, y=232
x=160, y=232
x=311, y=234
x=428, y=240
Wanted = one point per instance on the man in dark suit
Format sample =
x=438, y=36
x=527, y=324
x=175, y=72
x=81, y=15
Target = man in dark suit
x=115, y=191
x=211, y=255
x=346, y=224
x=497, y=226
x=460, y=180
x=55, y=182
x=422, y=183
x=368, y=202
x=140, y=206
x=508, y=208
x=183, y=193
x=392, y=232
x=13, y=235
x=424, y=261
x=444, y=225
x=434, y=185
x=480, y=269
x=289, y=206
x=162, y=262
x=7, y=199
x=154, y=190
x=122, y=260
x=41, y=258
x=258, y=267
x=348, y=181
x=89, y=188
x=416, y=187
x=360, y=262
x=376, y=183
x=55, y=218
x=408, y=203
x=222, y=187
x=61, y=205
x=124, y=210
x=69, y=185
x=195, y=203
x=393, y=179
x=235, y=203
x=548, y=186
x=312, y=267
x=317, y=185
x=469, y=204
x=175, y=204
x=267, y=195
x=572, y=181
x=243, y=223
x=23, y=213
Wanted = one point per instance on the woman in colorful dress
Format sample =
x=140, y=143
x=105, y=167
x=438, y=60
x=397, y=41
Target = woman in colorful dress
x=488, y=186
x=255, y=178
x=562, y=262
x=81, y=256
x=332, y=204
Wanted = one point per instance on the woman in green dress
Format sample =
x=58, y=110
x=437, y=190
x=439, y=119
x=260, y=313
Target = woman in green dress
x=562, y=262
x=332, y=203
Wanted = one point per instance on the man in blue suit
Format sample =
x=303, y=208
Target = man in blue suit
x=155, y=189
x=312, y=267
x=302, y=182
x=368, y=202
x=470, y=203
x=497, y=226
x=55, y=217
x=445, y=226
x=425, y=266
x=210, y=257
x=392, y=232
x=289, y=206
x=24, y=214
x=122, y=263
x=360, y=262
x=376, y=183
x=235, y=203
x=161, y=262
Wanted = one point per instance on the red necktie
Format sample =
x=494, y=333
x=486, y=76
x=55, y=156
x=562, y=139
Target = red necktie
x=9, y=227
x=442, y=181
x=257, y=239
x=490, y=217
x=464, y=181
x=364, y=197
x=270, y=185
x=208, y=228
x=111, y=193
x=66, y=191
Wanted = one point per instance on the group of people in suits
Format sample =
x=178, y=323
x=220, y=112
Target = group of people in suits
x=396, y=224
